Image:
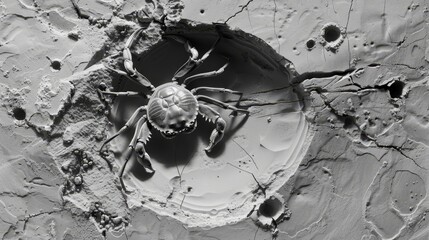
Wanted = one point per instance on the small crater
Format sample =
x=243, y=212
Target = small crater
x=331, y=33
x=271, y=207
x=202, y=11
x=19, y=113
x=396, y=88
x=56, y=65
x=310, y=44
x=349, y=122
x=332, y=36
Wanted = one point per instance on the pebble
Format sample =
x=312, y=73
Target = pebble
x=78, y=180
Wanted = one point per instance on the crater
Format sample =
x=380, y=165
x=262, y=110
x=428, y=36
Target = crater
x=19, y=113
x=332, y=36
x=310, y=44
x=396, y=88
x=56, y=65
x=331, y=33
x=221, y=181
x=271, y=207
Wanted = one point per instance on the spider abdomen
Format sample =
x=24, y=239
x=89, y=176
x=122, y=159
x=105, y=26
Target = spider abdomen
x=172, y=108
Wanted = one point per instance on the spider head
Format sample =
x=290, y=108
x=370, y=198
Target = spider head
x=190, y=127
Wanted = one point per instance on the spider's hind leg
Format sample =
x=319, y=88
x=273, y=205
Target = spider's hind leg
x=142, y=157
x=141, y=135
x=128, y=124
x=128, y=153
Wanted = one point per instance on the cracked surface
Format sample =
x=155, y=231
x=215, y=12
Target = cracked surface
x=364, y=175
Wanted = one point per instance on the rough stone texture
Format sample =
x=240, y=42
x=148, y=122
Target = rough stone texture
x=363, y=174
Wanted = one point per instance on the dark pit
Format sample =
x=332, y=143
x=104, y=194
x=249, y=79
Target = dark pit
x=56, y=65
x=19, y=113
x=396, y=88
x=270, y=207
x=310, y=44
x=331, y=33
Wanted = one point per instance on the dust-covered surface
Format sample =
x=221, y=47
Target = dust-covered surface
x=341, y=155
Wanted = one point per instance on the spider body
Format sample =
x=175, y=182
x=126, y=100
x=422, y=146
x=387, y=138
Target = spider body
x=172, y=108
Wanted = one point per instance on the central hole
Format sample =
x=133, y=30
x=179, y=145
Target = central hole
x=56, y=65
x=270, y=207
x=396, y=88
x=19, y=113
x=332, y=33
x=310, y=43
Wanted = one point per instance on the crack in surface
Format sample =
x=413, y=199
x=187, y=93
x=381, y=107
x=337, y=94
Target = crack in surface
x=399, y=150
x=274, y=25
x=239, y=11
x=263, y=189
x=348, y=39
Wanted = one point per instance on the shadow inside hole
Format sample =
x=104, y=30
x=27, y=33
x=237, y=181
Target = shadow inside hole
x=19, y=113
x=270, y=207
x=56, y=65
x=349, y=122
x=310, y=44
x=396, y=88
x=331, y=33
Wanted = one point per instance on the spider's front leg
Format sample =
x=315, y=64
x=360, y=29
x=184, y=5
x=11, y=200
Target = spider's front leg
x=213, y=116
x=193, y=61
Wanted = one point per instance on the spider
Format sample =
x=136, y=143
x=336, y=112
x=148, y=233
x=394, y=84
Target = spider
x=171, y=107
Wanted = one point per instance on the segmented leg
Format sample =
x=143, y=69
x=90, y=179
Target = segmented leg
x=190, y=79
x=139, y=78
x=193, y=61
x=128, y=124
x=142, y=157
x=131, y=72
x=221, y=104
x=130, y=151
x=221, y=90
x=127, y=93
x=217, y=133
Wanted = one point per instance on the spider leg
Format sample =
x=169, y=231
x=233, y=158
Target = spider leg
x=129, y=151
x=220, y=104
x=142, y=156
x=127, y=93
x=128, y=124
x=131, y=72
x=221, y=90
x=193, y=61
x=190, y=79
x=217, y=134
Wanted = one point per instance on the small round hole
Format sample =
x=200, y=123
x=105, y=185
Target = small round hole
x=270, y=207
x=349, y=122
x=202, y=11
x=310, y=44
x=331, y=33
x=396, y=88
x=56, y=65
x=19, y=113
